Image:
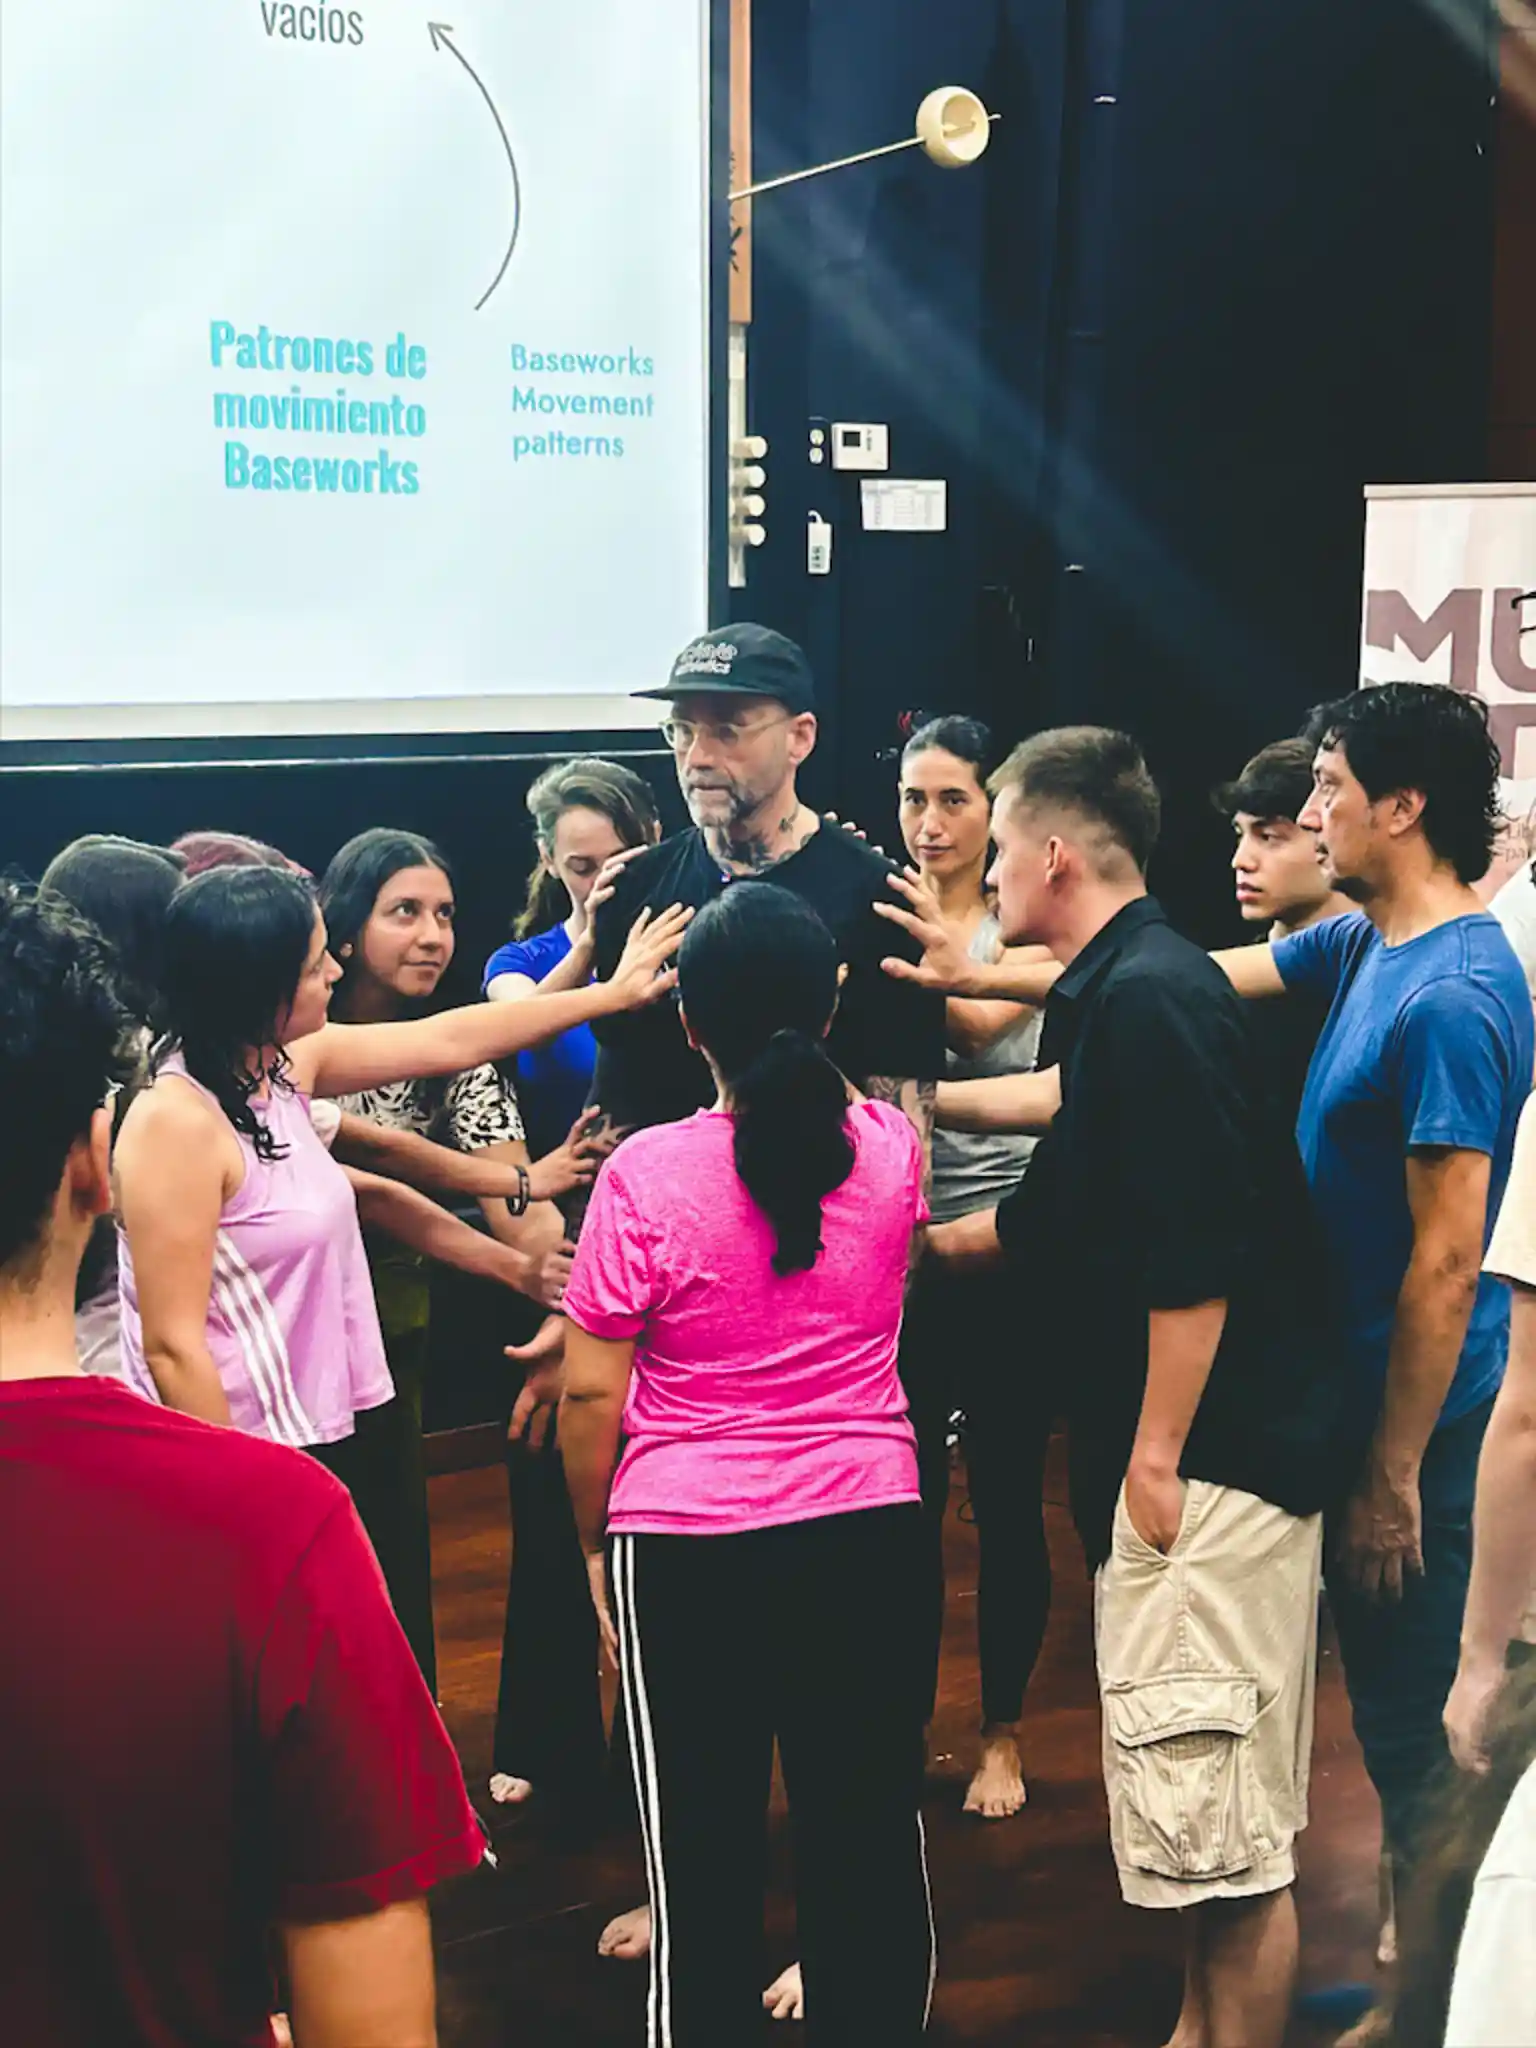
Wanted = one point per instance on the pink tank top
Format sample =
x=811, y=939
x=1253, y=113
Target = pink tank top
x=292, y=1324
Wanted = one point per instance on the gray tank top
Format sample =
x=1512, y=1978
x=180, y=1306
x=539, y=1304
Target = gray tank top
x=975, y=1169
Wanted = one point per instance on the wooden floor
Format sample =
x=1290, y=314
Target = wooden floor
x=1034, y=1944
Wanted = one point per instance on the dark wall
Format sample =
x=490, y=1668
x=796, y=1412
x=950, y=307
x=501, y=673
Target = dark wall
x=473, y=809
x=1220, y=267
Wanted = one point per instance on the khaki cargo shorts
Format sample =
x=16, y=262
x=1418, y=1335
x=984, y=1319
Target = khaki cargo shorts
x=1207, y=1671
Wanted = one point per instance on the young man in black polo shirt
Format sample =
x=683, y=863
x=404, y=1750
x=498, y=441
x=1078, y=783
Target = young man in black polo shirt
x=1161, y=1228
x=743, y=719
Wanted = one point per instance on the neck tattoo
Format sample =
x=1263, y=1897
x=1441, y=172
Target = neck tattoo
x=751, y=854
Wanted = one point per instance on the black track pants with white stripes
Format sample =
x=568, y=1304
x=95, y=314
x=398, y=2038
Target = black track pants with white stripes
x=811, y=1634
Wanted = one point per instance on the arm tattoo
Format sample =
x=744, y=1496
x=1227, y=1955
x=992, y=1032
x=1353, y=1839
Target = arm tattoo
x=916, y=1101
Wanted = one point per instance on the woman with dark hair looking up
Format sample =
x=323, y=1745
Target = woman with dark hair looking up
x=734, y=1307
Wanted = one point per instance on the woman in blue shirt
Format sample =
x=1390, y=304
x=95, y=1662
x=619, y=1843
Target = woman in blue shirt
x=584, y=813
x=549, y=1720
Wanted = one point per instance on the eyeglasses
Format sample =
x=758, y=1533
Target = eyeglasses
x=680, y=734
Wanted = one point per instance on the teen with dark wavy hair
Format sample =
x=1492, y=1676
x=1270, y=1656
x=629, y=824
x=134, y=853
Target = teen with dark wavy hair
x=735, y=1303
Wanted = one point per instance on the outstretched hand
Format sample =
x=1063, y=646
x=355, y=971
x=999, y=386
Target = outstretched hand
x=642, y=975
x=539, y=1396
x=858, y=832
x=575, y=1163
x=946, y=962
x=608, y=880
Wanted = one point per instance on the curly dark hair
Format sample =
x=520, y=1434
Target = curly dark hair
x=1276, y=783
x=65, y=1039
x=1425, y=737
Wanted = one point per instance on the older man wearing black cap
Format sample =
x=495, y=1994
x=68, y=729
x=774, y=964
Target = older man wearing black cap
x=743, y=718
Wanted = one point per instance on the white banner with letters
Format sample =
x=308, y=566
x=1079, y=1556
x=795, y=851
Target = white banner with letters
x=1450, y=597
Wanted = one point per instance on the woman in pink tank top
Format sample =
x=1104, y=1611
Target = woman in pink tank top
x=735, y=1308
x=245, y=1289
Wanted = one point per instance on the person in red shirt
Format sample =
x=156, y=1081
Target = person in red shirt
x=216, y=1749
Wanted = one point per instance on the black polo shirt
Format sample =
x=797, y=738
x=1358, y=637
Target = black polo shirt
x=1286, y=1030
x=647, y=1073
x=1169, y=1178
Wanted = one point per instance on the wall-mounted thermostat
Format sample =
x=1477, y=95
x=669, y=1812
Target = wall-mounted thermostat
x=860, y=447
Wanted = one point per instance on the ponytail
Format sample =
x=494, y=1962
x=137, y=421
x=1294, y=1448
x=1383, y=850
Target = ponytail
x=548, y=903
x=792, y=1148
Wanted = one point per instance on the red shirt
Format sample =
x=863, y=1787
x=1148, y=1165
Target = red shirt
x=209, y=1720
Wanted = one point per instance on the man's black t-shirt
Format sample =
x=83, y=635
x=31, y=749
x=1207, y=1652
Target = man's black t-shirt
x=647, y=1073
x=1169, y=1178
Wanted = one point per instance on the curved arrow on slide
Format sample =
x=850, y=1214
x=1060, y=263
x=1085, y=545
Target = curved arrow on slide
x=440, y=31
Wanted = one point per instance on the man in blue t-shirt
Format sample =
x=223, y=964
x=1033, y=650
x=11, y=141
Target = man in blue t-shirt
x=1406, y=1128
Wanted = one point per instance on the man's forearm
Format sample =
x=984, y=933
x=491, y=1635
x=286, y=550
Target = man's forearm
x=1009, y=981
x=1181, y=1349
x=970, y=1242
x=1004, y=1102
x=1434, y=1306
x=1504, y=1534
x=972, y=1025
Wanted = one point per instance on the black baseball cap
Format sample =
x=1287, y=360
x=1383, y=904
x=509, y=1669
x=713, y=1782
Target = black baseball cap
x=742, y=661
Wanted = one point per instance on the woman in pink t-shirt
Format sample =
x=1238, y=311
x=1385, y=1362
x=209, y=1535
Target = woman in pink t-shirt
x=735, y=1309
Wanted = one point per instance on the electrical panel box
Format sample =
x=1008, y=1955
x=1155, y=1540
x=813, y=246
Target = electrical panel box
x=856, y=446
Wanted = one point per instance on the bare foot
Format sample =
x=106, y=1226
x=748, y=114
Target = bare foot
x=1371, y=2032
x=627, y=1937
x=997, y=1790
x=509, y=1791
x=785, y=1997
x=1386, y=1947
x=1189, y=2033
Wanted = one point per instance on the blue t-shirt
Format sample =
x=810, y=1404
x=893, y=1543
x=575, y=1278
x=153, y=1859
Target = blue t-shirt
x=1429, y=1043
x=552, y=1079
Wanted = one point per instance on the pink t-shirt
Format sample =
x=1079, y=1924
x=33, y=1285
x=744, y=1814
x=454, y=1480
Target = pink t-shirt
x=756, y=1398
